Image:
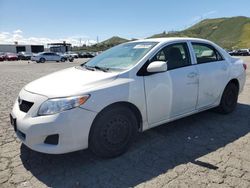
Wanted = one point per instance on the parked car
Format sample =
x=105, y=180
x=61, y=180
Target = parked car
x=67, y=57
x=244, y=52
x=24, y=55
x=48, y=56
x=127, y=89
x=2, y=56
x=85, y=55
x=11, y=57
x=233, y=53
x=240, y=52
x=72, y=54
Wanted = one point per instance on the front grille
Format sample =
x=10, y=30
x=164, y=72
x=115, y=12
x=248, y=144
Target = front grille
x=25, y=105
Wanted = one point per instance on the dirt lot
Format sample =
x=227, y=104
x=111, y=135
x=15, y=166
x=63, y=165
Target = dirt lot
x=204, y=150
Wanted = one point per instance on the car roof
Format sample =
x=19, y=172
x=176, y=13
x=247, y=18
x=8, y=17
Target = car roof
x=172, y=39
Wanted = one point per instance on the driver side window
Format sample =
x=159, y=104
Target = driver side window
x=175, y=55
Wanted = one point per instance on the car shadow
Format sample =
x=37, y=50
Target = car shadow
x=154, y=152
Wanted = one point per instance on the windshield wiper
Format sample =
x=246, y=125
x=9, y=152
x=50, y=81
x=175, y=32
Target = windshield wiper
x=93, y=68
x=101, y=68
x=89, y=67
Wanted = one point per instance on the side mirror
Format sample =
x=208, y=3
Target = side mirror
x=157, y=66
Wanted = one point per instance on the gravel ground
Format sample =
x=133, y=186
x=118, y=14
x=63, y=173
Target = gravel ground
x=203, y=150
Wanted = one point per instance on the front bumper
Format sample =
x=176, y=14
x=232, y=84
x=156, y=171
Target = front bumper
x=72, y=126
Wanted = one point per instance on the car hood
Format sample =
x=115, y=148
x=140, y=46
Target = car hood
x=69, y=82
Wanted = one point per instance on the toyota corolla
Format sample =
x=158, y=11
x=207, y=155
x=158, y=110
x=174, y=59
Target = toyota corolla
x=130, y=88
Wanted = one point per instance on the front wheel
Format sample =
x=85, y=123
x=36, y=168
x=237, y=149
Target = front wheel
x=229, y=99
x=112, y=132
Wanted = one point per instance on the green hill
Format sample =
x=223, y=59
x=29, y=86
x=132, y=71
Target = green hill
x=228, y=32
x=104, y=45
x=113, y=41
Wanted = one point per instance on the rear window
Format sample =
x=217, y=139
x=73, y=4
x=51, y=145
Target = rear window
x=206, y=53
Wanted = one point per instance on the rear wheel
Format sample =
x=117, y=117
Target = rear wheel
x=42, y=60
x=229, y=99
x=63, y=59
x=112, y=132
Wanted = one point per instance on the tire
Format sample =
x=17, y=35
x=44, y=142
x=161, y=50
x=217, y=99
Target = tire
x=112, y=132
x=63, y=59
x=229, y=99
x=42, y=60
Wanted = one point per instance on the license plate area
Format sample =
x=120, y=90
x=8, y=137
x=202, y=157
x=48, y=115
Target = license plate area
x=13, y=122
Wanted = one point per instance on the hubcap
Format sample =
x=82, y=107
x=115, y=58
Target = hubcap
x=116, y=131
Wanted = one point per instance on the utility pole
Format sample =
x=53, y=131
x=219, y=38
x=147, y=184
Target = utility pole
x=80, y=40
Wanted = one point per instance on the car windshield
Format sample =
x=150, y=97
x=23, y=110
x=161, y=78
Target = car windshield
x=121, y=57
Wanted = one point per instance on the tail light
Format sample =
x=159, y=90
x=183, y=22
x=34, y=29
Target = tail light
x=245, y=66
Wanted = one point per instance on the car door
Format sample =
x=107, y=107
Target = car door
x=47, y=56
x=56, y=57
x=174, y=92
x=53, y=57
x=213, y=74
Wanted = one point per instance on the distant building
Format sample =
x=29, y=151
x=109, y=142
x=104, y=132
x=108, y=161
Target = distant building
x=60, y=47
x=15, y=48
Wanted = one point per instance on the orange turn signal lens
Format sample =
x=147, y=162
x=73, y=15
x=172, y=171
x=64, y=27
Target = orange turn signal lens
x=82, y=100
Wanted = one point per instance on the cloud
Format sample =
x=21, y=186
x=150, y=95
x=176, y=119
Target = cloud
x=18, y=31
x=209, y=13
x=18, y=36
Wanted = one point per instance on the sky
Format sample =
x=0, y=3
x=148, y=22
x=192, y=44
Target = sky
x=80, y=22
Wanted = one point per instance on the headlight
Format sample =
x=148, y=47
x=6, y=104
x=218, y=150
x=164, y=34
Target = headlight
x=53, y=106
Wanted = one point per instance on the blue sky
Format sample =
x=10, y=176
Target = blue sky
x=73, y=19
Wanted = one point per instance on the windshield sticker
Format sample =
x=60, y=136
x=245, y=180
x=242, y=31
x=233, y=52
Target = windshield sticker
x=142, y=46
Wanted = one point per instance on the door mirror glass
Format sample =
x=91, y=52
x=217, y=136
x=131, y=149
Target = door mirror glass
x=157, y=66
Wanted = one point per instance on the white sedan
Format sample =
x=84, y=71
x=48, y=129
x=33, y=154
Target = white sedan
x=127, y=89
x=71, y=54
x=48, y=56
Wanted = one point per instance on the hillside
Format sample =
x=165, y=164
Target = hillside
x=104, y=45
x=228, y=32
x=113, y=41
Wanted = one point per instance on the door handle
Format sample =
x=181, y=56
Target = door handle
x=192, y=75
